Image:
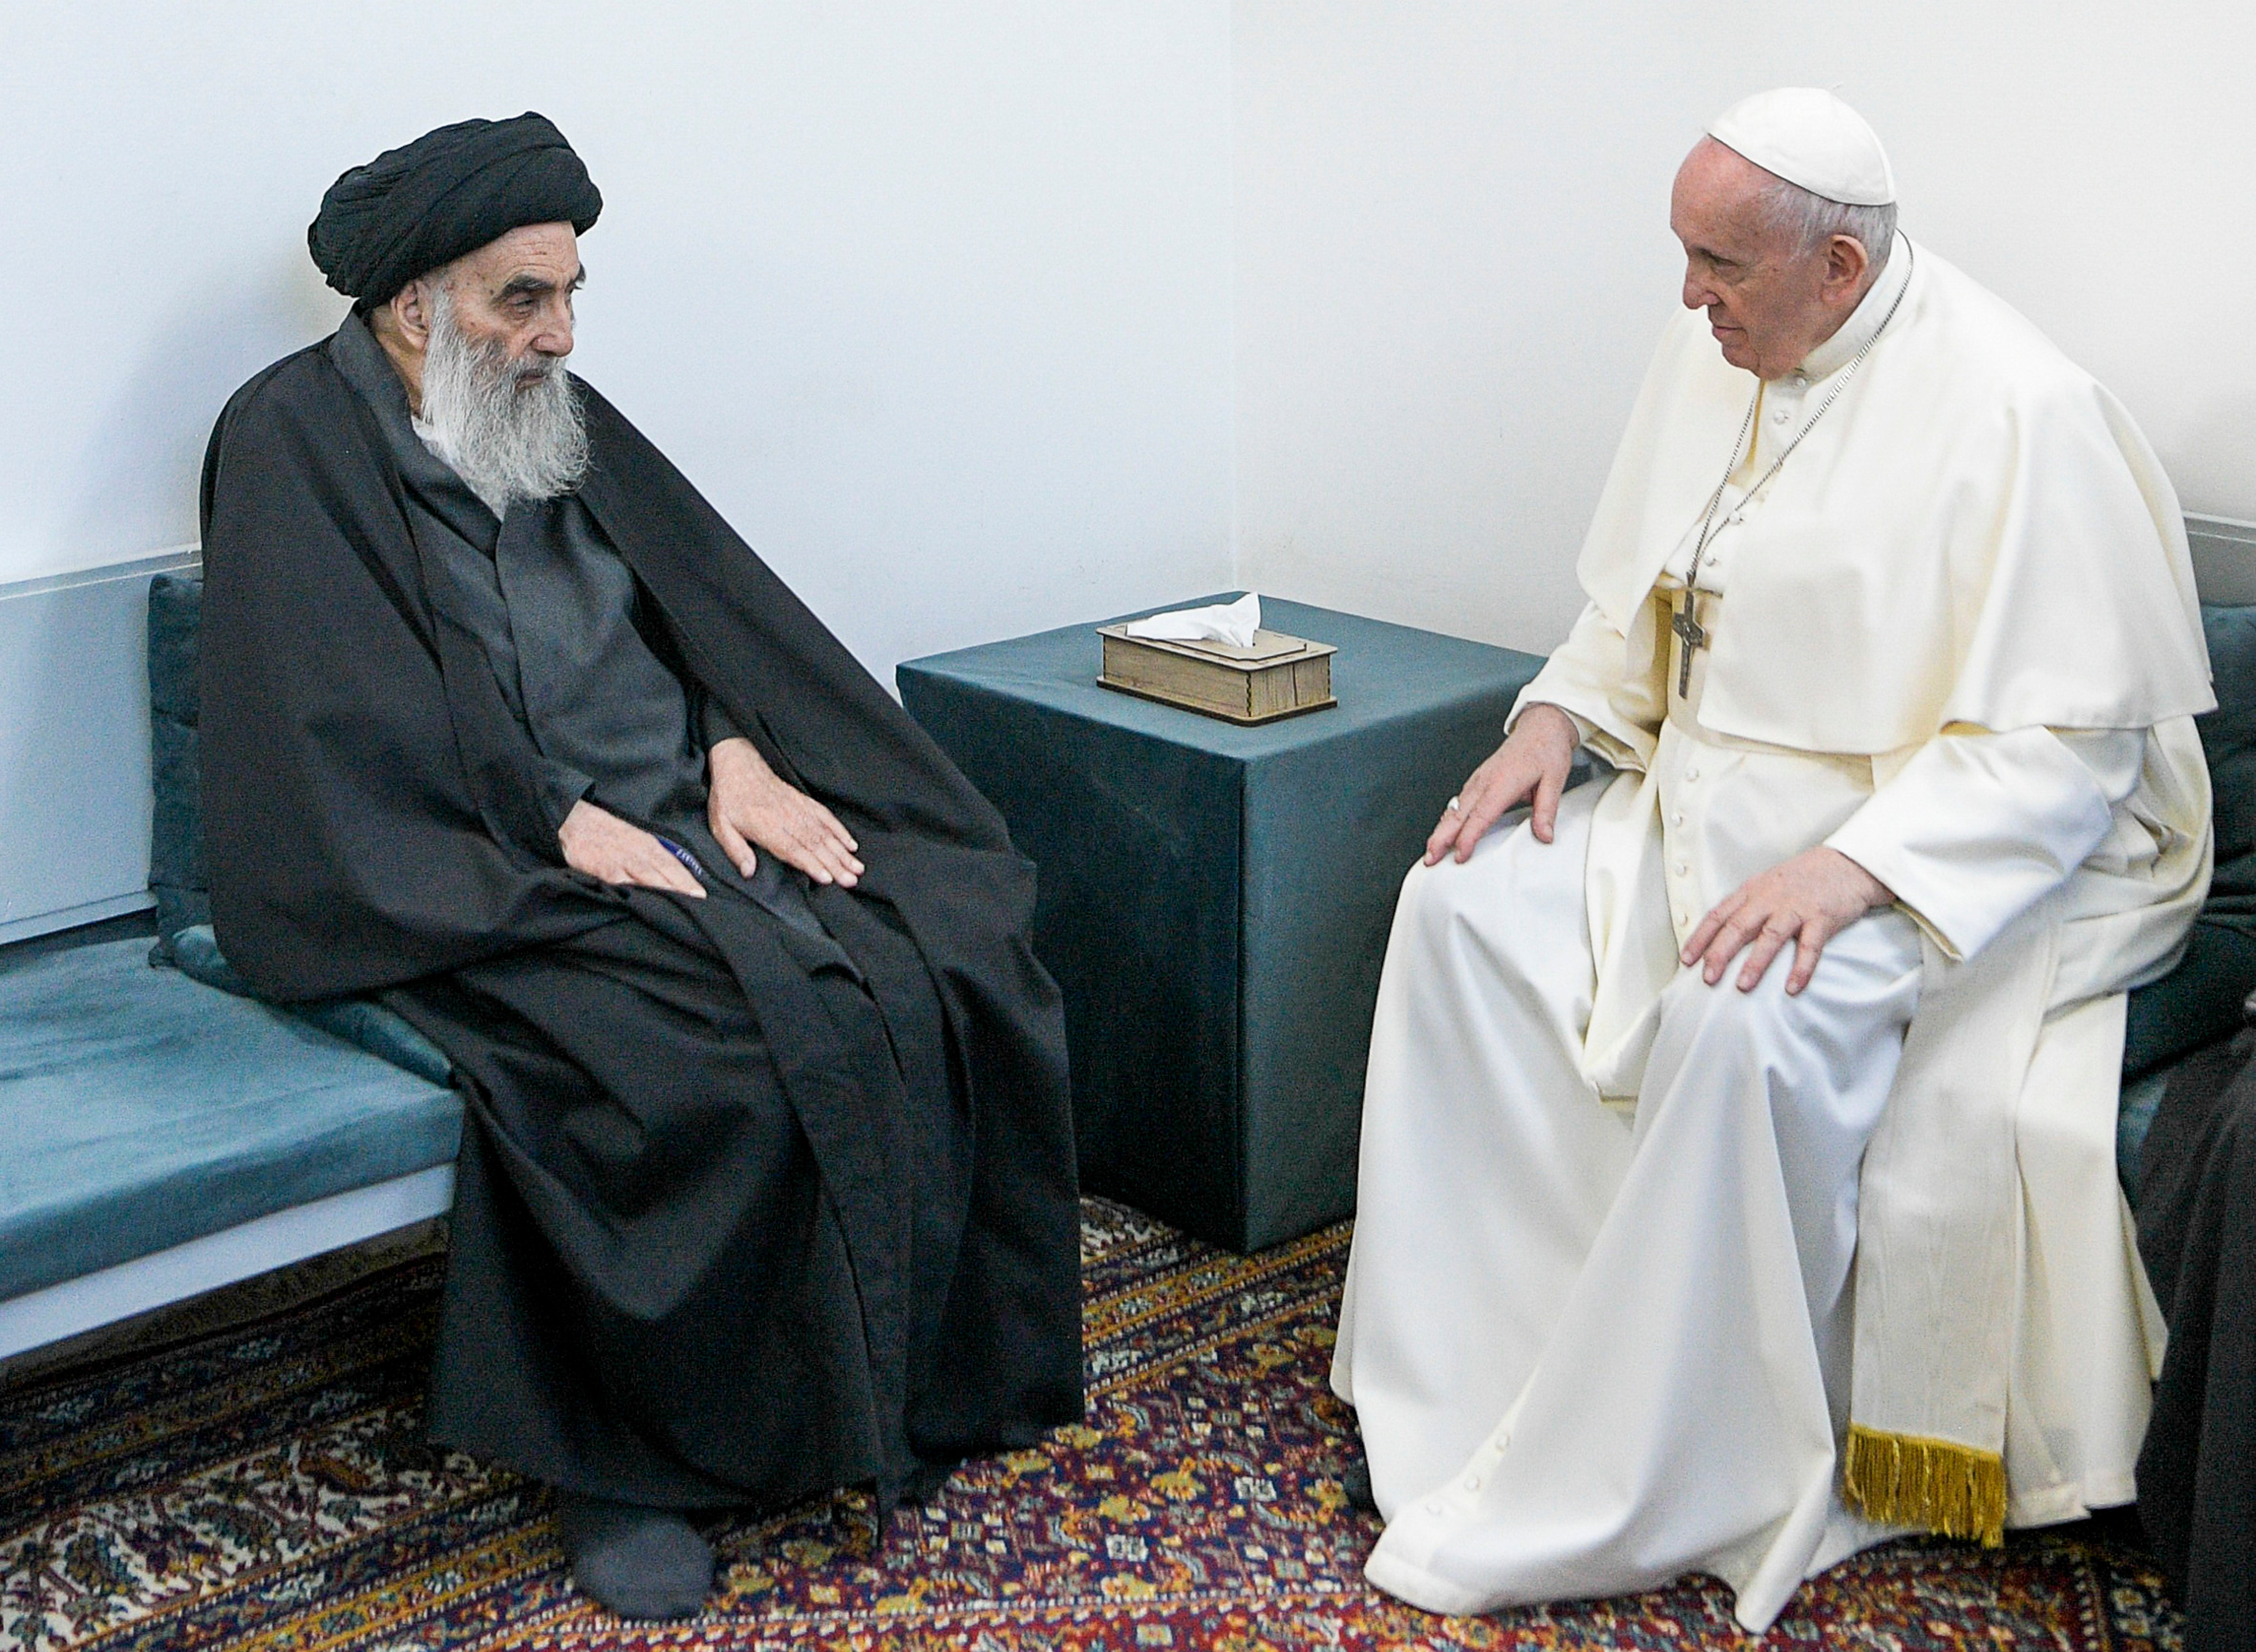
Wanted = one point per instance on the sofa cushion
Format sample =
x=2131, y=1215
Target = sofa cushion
x=176, y=863
x=141, y=1110
x=359, y=1022
x=176, y=853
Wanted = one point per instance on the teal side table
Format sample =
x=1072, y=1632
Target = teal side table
x=1215, y=901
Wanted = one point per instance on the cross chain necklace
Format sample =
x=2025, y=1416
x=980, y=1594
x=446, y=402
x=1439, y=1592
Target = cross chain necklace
x=1685, y=623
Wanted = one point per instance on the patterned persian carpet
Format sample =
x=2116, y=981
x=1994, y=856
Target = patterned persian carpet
x=258, y=1480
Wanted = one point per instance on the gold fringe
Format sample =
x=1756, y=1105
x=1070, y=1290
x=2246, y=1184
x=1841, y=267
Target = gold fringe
x=1907, y=1479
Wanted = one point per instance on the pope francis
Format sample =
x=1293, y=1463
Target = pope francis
x=1671, y=1260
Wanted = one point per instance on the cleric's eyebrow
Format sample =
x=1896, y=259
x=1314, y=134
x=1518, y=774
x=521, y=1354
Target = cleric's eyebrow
x=535, y=285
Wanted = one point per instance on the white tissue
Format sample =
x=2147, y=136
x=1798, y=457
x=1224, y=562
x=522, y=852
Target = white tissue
x=1233, y=623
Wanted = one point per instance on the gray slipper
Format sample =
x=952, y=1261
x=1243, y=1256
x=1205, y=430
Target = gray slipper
x=640, y=1562
x=1354, y=1480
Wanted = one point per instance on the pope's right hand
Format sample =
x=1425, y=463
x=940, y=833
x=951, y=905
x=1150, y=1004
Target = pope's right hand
x=600, y=844
x=1532, y=763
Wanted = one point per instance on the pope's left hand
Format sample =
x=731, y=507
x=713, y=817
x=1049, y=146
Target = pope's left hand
x=1807, y=901
x=748, y=804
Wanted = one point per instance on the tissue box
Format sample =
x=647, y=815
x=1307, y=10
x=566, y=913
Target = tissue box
x=1278, y=676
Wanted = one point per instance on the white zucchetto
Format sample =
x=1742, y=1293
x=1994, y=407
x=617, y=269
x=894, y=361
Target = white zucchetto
x=1808, y=137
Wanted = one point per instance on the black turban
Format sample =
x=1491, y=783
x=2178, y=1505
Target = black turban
x=450, y=192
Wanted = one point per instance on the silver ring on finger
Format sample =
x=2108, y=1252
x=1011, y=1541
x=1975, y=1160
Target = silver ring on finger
x=1452, y=807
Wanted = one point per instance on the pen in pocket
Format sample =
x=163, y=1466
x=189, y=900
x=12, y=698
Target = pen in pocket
x=687, y=859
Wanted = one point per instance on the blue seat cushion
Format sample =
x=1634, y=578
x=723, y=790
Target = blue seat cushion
x=141, y=1109
x=359, y=1021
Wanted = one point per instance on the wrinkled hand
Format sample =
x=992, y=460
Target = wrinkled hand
x=600, y=844
x=749, y=804
x=1807, y=901
x=1531, y=763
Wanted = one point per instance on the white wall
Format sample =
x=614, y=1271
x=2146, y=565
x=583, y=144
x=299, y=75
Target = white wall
x=1453, y=255
x=934, y=302
x=940, y=302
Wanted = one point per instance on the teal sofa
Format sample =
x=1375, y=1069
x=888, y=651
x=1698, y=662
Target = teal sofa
x=162, y=1134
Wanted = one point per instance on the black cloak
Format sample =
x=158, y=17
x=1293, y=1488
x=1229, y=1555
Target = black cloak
x=2197, y=1238
x=735, y=1221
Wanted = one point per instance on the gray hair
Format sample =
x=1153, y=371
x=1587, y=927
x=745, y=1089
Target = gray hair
x=1812, y=220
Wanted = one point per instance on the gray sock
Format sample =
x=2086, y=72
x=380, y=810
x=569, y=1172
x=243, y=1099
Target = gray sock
x=640, y=1562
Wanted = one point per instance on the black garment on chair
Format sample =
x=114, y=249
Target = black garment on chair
x=2198, y=1237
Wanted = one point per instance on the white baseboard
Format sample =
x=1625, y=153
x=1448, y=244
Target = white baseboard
x=41, y=1317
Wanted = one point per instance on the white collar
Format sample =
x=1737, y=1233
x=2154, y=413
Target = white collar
x=1837, y=351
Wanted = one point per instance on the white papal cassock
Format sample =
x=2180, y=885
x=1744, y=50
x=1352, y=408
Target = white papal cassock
x=1638, y=1260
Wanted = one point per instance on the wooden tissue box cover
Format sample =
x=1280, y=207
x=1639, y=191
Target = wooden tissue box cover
x=1278, y=676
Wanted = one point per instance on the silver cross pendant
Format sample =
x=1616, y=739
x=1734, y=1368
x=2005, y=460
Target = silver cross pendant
x=1694, y=636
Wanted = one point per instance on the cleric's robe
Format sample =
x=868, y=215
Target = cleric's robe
x=573, y=646
x=1881, y=678
x=759, y=1194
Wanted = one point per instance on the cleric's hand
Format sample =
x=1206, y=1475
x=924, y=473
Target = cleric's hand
x=1807, y=901
x=747, y=804
x=1531, y=763
x=600, y=844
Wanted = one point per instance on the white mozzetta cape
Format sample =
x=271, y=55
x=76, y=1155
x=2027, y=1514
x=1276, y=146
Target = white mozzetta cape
x=1974, y=539
x=1975, y=532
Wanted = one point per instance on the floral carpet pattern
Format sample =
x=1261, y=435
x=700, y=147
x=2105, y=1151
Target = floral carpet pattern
x=265, y=1485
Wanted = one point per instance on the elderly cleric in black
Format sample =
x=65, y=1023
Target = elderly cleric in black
x=767, y=1184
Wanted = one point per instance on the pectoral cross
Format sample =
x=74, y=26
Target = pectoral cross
x=1694, y=636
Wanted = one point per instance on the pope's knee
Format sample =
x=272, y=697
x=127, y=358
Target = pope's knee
x=1433, y=899
x=1718, y=1030
x=1439, y=903
x=1723, y=1010
x=1499, y=861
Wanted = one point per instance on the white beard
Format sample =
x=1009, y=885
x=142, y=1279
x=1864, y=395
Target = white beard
x=512, y=430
